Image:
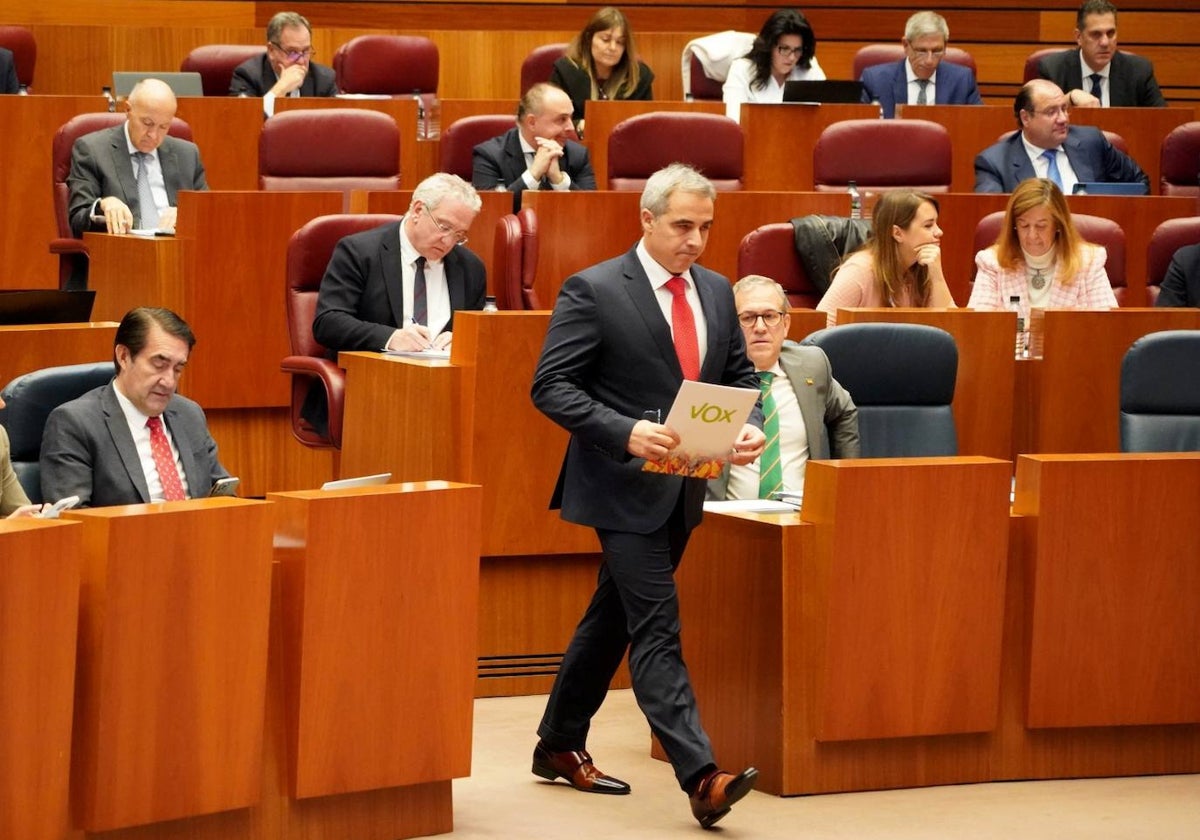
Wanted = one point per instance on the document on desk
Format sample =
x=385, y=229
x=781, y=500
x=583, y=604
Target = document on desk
x=748, y=506
x=708, y=419
x=431, y=353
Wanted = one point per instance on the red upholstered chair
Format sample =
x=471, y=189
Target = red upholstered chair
x=515, y=260
x=1094, y=229
x=539, y=64
x=1167, y=238
x=882, y=155
x=216, y=62
x=640, y=146
x=462, y=136
x=387, y=64
x=72, y=254
x=329, y=149
x=19, y=41
x=770, y=250
x=703, y=88
x=308, y=254
x=1180, y=161
x=873, y=54
x=1032, y=60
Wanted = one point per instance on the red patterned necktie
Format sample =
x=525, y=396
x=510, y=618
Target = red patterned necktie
x=683, y=329
x=164, y=461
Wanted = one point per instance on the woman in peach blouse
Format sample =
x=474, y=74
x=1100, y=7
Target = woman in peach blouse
x=900, y=265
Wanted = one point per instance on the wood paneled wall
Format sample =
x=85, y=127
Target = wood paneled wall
x=482, y=44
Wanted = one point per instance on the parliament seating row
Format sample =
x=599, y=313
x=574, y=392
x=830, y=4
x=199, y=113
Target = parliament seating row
x=241, y=666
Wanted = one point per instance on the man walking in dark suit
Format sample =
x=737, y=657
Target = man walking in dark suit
x=623, y=337
x=133, y=440
x=536, y=154
x=1098, y=75
x=129, y=176
x=922, y=77
x=287, y=68
x=1048, y=146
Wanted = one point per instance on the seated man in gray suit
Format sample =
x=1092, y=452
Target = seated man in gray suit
x=535, y=154
x=133, y=440
x=1098, y=75
x=816, y=416
x=128, y=176
x=1048, y=146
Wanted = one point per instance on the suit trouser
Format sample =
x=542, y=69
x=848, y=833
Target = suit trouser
x=635, y=606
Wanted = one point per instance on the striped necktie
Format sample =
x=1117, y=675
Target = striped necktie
x=770, y=466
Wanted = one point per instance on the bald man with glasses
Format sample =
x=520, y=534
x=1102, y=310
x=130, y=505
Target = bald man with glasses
x=287, y=68
x=816, y=416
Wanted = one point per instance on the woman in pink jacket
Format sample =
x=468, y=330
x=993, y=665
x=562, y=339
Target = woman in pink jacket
x=1040, y=258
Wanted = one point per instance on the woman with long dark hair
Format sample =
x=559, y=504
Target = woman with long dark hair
x=785, y=50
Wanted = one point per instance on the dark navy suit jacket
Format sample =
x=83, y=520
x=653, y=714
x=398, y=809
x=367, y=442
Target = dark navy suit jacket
x=1131, y=79
x=1001, y=167
x=499, y=162
x=887, y=84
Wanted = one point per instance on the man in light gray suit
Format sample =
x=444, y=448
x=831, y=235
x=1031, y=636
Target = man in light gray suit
x=133, y=440
x=105, y=185
x=817, y=418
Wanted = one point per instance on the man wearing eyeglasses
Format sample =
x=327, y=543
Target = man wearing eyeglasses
x=287, y=68
x=536, y=154
x=815, y=416
x=1048, y=146
x=921, y=77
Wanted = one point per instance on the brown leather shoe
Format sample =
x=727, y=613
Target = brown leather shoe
x=577, y=768
x=717, y=793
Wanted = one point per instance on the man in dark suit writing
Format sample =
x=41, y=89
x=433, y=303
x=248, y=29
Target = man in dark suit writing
x=922, y=77
x=536, y=154
x=1098, y=74
x=1048, y=146
x=133, y=440
x=287, y=68
x=623, y=337
x=129, y=176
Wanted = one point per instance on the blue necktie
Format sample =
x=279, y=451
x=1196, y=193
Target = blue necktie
x=147, y=210
x=1052, y=172
x=1096, y=77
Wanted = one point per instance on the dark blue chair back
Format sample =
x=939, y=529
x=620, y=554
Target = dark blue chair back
x=1160, y=393
x=901, y=377
x=30, y=398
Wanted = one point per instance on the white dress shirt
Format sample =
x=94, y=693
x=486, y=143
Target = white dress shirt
x=437, y=291
x=793, y=445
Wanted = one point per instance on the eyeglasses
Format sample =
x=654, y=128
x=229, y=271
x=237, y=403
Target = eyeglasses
x=770, y=318
x=459, y=236
x=787, y=52
x=928, y=54
x=294, y=55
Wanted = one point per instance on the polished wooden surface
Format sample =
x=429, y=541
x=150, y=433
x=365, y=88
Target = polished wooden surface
x=172, y=660
x=849, y=656
x=39, y=611
x=983, y=390
x=1071, y=397
x=482, y=232
x=1113, y=594
x=359, y=603
x=780, y=139
x=33, y=347
x=256, y=445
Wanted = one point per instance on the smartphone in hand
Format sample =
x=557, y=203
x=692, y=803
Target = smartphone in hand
x=58, y=507
x=224, y=487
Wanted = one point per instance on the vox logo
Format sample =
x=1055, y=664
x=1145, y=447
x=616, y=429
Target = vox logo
x=709, y=413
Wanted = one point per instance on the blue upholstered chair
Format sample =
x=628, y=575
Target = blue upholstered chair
x=1160, y=393
x=901, y=377
x=29, y=400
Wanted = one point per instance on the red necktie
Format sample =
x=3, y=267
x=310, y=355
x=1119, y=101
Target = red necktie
x=683, y=329
x=164, y=461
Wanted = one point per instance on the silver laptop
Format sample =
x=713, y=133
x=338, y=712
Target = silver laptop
x=183, y=84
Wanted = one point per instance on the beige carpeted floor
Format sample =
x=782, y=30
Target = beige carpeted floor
x=502, y=799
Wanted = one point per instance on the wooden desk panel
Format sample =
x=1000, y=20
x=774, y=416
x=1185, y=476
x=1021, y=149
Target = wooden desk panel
x=602, y=117
x=172, y=660
x=483, y=229
x=226, y=129
x=1113, y=593
x=28, y=348
x=356, y=600
x=39, y=612
x=131, y=271
x=1077, y=399
x=780, y=140
x=983, y=412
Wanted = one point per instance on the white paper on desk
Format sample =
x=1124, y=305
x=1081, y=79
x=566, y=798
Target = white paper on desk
x=748, y=506
x=431, y=353
x=708, y=418
x=152, y=232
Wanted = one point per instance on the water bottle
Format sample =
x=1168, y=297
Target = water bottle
x=106, y=92
x=489, y=304
x=422, y=128
x=1022, y=343
x=433, y=117
x=855, y=200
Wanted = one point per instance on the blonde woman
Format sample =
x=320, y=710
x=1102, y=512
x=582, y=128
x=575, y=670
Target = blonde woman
x=601, y=63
